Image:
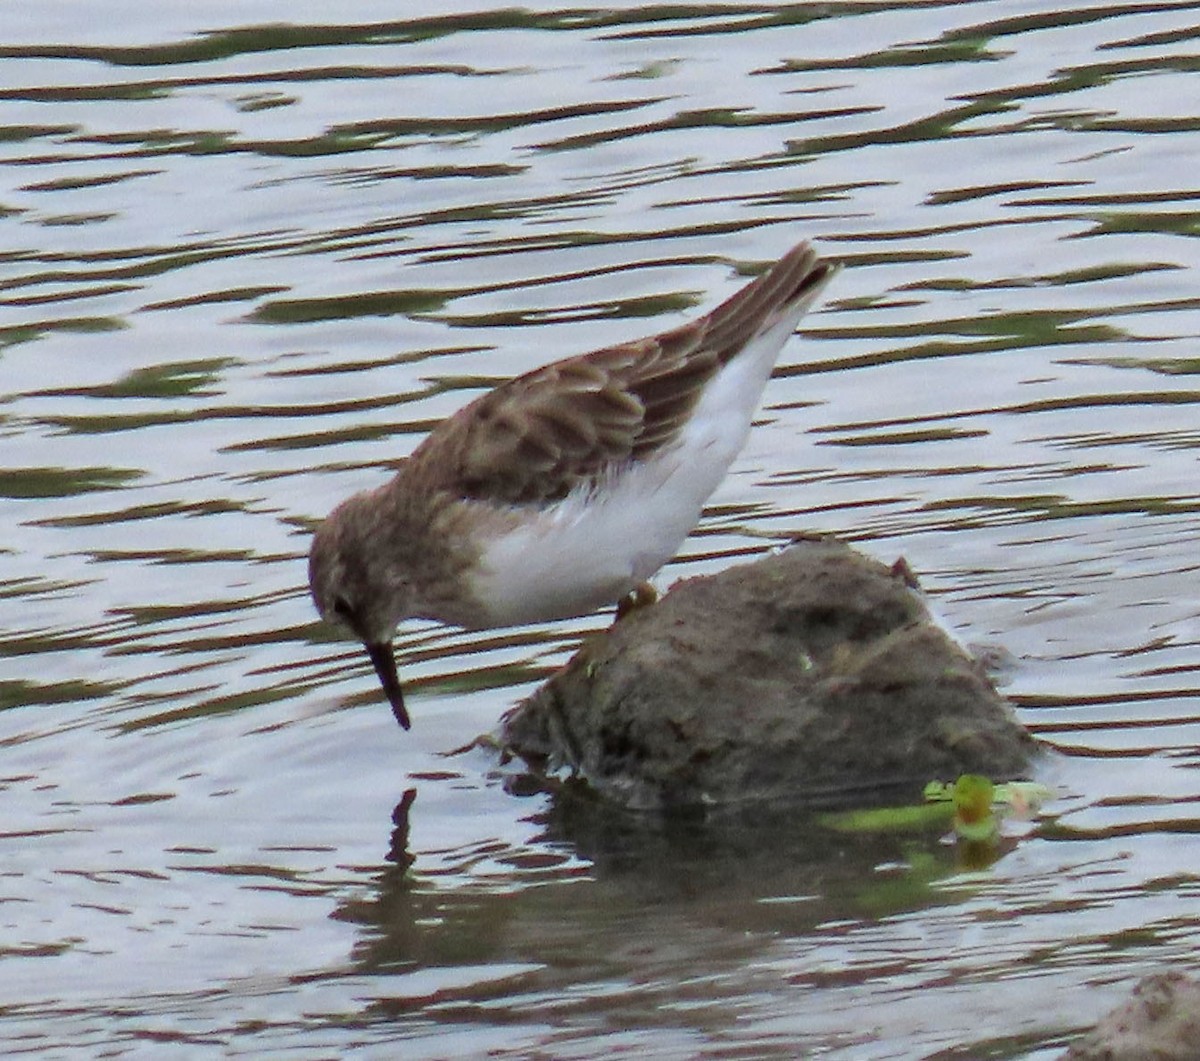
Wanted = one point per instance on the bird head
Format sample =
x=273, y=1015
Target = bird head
x=355, y=588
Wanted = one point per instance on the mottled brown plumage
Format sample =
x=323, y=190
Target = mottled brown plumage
x=533, y=501
x=535, y=438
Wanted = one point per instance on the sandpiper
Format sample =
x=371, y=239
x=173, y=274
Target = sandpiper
x=564, y=489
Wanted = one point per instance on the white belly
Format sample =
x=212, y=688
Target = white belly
x=588, y=550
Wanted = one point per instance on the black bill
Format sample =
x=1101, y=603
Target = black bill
x=384, y=661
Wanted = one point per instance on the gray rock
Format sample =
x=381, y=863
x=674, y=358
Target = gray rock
x=814, y=675
x=1160, y=1022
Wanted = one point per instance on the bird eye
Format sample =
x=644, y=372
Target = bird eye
x=342, y=609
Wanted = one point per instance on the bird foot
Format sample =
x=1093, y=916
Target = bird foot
x=641, y=596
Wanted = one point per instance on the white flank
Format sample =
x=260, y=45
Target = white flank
x=589, y=549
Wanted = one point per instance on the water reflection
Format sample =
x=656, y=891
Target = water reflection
x=762, y=872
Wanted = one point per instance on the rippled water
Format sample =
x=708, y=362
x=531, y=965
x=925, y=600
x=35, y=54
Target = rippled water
x=247, y=262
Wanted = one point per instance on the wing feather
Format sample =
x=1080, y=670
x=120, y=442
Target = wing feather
x=571, y=423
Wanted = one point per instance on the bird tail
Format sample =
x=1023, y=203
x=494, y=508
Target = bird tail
x=785, y=291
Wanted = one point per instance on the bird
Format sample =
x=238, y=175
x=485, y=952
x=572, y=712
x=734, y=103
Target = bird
x=564, y=489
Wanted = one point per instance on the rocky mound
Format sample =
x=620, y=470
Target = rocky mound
x=814, y=675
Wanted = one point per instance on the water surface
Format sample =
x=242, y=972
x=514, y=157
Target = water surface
x=249, y=262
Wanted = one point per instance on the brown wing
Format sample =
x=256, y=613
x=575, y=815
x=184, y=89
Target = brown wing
x=537, y=437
